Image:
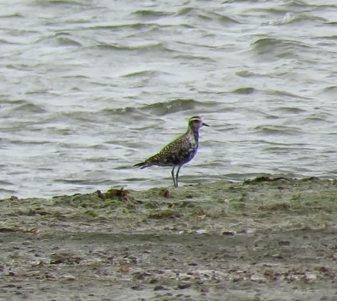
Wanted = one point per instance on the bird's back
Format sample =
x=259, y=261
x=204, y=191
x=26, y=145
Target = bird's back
x=178, y=152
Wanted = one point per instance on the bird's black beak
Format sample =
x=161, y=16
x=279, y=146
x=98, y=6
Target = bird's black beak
x=204, y=124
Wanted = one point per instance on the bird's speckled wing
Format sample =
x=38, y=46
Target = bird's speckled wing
x=178, y=152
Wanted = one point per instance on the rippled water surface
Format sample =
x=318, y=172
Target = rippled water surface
x=89, y=88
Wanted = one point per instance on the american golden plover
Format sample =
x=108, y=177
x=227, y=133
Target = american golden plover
x=180, y=151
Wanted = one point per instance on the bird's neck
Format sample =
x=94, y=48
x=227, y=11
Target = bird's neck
x=194, y=133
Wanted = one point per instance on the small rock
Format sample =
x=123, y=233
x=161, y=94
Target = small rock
x=230, y=233
x=257, y=278
x=160, y=288
x=68, y=277
x=137, y=287
x=183, y=286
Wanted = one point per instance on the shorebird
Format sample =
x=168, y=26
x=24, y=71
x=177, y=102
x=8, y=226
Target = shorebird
x=178, y=152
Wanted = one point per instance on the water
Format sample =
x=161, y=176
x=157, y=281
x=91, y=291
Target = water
x=89, y=88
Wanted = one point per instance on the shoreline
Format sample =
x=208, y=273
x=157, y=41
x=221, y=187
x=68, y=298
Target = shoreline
x=260, y=239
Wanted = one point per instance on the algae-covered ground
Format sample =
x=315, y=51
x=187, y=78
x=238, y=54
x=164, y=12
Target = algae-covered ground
x=261, y=239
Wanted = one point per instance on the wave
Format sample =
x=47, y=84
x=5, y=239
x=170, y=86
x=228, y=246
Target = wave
x=272, y=48
x=149, y=14
x=267, y=129
x=60, y=39
x=169, y=107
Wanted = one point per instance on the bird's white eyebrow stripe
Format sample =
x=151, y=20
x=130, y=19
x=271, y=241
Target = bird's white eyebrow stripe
x=195, y=119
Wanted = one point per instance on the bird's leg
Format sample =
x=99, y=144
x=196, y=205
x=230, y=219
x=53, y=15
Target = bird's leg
x=172, y=173
x=177, y=175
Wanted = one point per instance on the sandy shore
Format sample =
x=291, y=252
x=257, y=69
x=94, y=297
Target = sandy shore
x=261, y=239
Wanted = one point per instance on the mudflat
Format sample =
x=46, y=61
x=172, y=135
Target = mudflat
x=268, y=238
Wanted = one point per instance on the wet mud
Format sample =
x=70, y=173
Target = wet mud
x=266, y=238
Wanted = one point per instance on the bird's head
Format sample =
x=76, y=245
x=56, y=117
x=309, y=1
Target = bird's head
x=196, y=123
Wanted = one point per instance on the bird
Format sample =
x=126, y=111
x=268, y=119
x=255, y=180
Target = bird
x=178, y=152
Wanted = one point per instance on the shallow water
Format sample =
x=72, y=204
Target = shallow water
x=90, y=88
